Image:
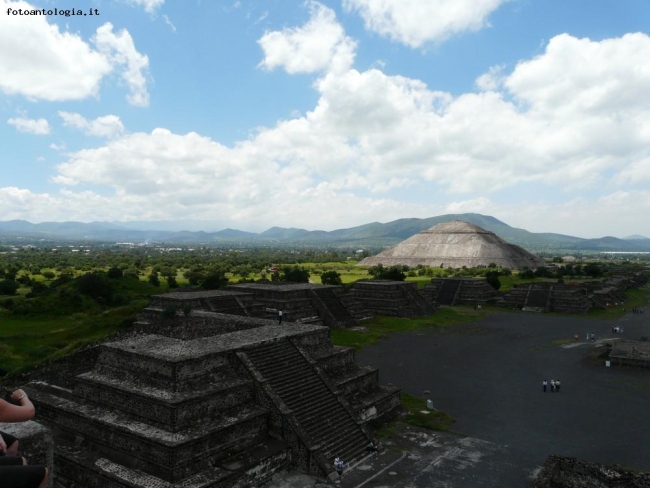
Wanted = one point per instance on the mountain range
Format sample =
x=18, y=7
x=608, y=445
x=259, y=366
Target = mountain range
x=368, y=236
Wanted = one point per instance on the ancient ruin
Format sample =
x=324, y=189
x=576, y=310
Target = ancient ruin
x=548, y=297
x=459, y=291
x=630, y=353
x=391, y=298
x=566, y=472
x=304, y=302
x=454, y=245
x=194, y=397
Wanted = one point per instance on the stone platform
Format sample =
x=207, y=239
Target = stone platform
x=208, y=399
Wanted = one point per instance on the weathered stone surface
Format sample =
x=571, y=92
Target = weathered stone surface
x=454, y=245
x=205, y=399
x=630, y=353
x=564, y=472
x=392, y=298
x=459, y=291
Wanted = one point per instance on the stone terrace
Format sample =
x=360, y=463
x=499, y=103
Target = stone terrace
x=304, y=302
x=392, y=298
x=211, y=400
x=631, y=353
x=459, y=291
x=548, y=297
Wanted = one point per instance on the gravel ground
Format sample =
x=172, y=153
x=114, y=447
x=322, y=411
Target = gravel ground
x=488, y=376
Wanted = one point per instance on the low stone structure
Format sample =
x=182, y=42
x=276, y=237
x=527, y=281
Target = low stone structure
x=548, y=297
x=607, y=293
x=305, y=302
x=203, y=399
x=392, y=298
x=630, y=353
x=459, y=291
x=566, y=472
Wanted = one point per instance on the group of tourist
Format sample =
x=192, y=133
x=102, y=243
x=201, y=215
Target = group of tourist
x=617, y=329
x=14, y=470
x=555, y=385
x=638, y=310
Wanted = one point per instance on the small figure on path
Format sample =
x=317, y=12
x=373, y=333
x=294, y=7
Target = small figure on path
x=552, y=385
x=557, y=385
x=372, y=446
x=338, y=465
x=593, y=336
x=279, y=317
x=544, y=384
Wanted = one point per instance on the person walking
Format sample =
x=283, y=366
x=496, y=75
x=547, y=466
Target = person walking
x=338, y=465
x=280, y=317
x=544, y=384
x=557, y=385
x=552, y=385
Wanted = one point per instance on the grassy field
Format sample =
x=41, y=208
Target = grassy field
x=375, y=329
x=27, y=340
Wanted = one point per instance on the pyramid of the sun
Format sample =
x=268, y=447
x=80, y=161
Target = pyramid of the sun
x=454, y=245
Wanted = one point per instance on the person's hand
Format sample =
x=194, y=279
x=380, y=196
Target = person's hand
x=17, y=394
x=3, y=445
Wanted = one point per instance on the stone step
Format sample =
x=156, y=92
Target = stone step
x=156, y=451
x=295, y=365
x=173, y=410
x=321, y=429
x=348, y=445
x=83, y=467
x=286, y=383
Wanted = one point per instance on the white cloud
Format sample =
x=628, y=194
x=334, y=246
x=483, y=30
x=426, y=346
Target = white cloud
x=416, y=22
x=373, y=138
x=169, y=23
x=492, y=80
x=40, y=62
x=319, y=45
x=150, y=6
x=120, y=50
x=32, y=126
x=106, y=126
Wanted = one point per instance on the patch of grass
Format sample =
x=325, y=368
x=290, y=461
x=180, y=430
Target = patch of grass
x=380, y=327
x=29, y=340
x=420, y=416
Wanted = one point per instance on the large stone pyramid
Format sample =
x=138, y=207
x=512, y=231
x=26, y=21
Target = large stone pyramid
x=454, y=245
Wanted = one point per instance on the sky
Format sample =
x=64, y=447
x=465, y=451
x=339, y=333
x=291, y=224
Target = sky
x=326, y=115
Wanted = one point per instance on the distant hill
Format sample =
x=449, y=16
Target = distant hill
x=374, y=235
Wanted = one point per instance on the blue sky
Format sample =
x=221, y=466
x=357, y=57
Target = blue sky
x=325, y=115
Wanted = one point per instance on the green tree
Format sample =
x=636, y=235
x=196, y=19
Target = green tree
x=115, y=273
x=492, y=277
x=331, y=278
x=95, y=285
x=295, y=274
x=215, y=280
x=153, y=279
x=8, y=287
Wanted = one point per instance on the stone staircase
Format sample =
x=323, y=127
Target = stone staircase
x=331, y=308
x=329, y=425
x=151, y=412
x=418, y=303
